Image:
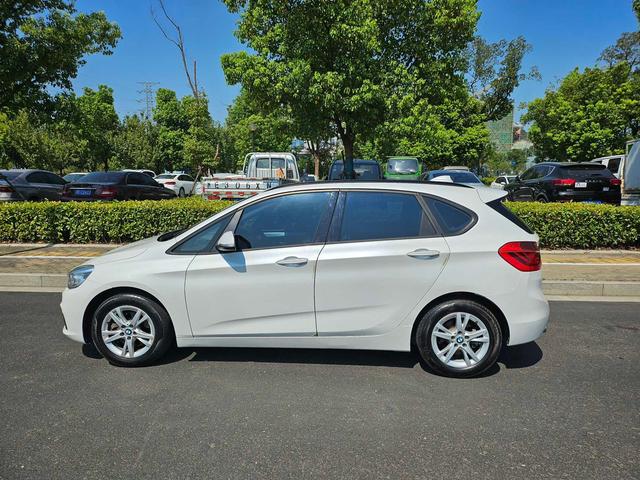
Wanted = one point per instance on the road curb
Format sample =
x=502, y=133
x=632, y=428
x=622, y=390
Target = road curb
x=564, y=288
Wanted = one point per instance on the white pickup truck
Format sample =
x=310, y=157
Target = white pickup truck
x=261, y=171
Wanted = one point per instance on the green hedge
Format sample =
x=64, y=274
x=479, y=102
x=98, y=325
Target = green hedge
x=581, y=225
x=560, y=225
x=488, y=180
x=99, y=222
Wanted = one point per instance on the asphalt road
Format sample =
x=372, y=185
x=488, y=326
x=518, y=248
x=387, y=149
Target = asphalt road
x=564, y=407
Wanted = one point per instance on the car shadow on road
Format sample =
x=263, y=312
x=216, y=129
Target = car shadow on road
x=520, y=356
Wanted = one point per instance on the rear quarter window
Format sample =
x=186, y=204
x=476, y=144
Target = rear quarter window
x=500, y=207
x=452, y=219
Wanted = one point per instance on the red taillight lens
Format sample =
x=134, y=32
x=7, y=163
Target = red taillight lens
x=106, y=192
x=615, y=182
x=525, y=256
x=6, y=189
x=170, y=183
x=566, y=182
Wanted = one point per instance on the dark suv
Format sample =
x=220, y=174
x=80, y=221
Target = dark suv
x=565, y=182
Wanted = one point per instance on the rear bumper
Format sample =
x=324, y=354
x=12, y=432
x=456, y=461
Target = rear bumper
x=586, y=196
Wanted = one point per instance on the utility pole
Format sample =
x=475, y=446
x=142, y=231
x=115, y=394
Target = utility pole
x=147, y=91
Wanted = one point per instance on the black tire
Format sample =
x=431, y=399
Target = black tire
x=181, y=193
x=542, y=198
x=163, y=337
x=434, y=315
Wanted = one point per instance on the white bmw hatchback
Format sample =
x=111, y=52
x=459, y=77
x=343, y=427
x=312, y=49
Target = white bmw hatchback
x=441, y=268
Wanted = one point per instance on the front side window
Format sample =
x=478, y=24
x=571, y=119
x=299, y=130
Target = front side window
x=202, y=241
x=285, y=221
x=451, y=219
x=383, y=216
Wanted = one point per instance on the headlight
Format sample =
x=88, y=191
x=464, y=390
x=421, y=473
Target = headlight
x=78, y=275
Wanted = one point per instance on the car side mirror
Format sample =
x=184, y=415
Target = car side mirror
x=227, y=242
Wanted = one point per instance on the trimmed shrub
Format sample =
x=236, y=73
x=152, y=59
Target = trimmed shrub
x=488, y=180
x=559, y=225
x=100, y=222
x=581, y=225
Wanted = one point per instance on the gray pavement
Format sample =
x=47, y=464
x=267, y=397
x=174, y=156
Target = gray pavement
x=563, y=407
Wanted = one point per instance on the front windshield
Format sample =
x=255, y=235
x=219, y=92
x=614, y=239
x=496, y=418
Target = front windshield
x=402, y=165
x=457, y=177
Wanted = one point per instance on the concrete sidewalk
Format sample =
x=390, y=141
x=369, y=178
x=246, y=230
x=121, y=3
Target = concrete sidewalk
x=600, y=273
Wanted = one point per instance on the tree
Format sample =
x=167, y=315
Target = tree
x=495, y=72
x=200, y=140
x=591, y=114
x=636, y=8
x=42, y=45
x=98, y=124
x=626, y=49
x=135, y=144
x=341, y=62
x=172, y=124
x=248, y=130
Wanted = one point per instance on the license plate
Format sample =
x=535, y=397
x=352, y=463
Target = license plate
x=581, y=184
x=82, y=193
x=605, y=189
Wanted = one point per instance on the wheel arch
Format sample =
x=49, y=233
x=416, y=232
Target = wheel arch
x=502, y=320
x=101, y=297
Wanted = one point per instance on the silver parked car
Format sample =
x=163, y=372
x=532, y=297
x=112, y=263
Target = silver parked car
x=30, y=184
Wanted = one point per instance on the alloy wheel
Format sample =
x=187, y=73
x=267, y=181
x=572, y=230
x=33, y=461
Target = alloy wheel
x=128, y=331
x=460, y=340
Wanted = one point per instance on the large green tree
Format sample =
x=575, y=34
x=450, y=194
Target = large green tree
x=42, y=44
x=591, y=114
x=98, y=124
x=344, y=62
x=135, y=144
x=247, y=129
x=172, y=124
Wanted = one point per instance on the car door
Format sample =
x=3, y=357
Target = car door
x=266, y=287
x=521, y=189
x=186, y=182
x=382, y=257
x=55, y=184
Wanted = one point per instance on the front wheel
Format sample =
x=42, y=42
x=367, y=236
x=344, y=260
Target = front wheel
x=131, y=330
x=459, y=338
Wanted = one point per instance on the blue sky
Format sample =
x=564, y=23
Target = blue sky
x=564, y=34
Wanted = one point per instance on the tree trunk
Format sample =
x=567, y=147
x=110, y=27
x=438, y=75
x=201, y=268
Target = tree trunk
x=347, y=142
x=316, y=166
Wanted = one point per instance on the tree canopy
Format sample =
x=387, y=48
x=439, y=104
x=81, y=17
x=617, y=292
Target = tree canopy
x=42, y=44
x=591, y=114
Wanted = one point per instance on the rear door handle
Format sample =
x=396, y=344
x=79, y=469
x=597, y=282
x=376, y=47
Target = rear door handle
x=292, y=262
x=424, y=254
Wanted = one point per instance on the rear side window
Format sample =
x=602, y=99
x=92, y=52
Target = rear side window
x=452, y=219
x=383, y=216
x=499, y=207
x=37, y=177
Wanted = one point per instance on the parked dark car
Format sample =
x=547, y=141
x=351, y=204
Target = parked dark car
x=74, y=177
x=30, y=184
x=565, y=182
x=365, y=170
x=116, y=186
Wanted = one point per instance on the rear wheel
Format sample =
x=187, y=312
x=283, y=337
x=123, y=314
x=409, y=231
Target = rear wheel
x=181, y=193
x=131, y=330
x=542, y=198
x=459, y=338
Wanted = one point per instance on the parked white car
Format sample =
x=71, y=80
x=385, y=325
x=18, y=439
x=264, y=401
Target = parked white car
x=444, y=268
x=502, y=180
x=179, y=182
x=151, y=173
x=614, y=163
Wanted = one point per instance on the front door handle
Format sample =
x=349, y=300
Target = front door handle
x=424, y=254
x=292, y=262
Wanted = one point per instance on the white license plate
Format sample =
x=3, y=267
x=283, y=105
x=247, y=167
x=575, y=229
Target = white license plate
x=605, y=189
x=581, y=184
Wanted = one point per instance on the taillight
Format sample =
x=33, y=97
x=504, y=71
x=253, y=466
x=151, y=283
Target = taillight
x=170, y=183
x=525, y=256
x=615, y=182
x=566, y=182
x=106, y=192
x=6, y=189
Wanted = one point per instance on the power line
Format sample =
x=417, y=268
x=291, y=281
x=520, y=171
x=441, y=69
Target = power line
x=148, y=101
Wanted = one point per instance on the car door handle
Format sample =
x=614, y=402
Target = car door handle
x=292, y=262
x=424, y=254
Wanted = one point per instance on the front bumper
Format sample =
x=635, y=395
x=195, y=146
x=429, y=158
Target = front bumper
x=73, y=307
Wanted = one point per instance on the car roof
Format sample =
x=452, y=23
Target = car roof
x=402, y=157
x=358, y=160
x=449, y=172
